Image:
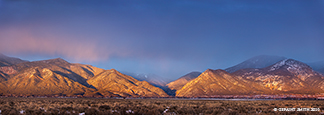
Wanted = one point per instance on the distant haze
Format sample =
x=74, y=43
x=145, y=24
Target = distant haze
x=169, y=38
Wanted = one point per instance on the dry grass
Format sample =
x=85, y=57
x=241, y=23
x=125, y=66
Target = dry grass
x=93, y=106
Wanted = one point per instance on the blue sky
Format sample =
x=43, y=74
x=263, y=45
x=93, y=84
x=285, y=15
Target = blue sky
x=166, y=37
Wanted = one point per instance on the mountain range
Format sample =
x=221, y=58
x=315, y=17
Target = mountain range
x=59, y=77
x=284, y=77
x=258, y=75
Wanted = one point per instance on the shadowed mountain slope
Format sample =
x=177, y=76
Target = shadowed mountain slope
x=179, y=83
x=6, y=61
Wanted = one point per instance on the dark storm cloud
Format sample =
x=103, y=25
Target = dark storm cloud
x=163, y=37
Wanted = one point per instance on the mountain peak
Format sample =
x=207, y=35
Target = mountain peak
x=215, y=71
x=290, y=64
x=214, y=82
x=209, y=70
x=56, y=61
x=113, y=71
x=260, y=61
x=191, y=75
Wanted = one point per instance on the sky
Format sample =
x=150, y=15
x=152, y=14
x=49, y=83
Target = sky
x=169, y=38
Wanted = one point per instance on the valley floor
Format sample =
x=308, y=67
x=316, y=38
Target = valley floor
x=81, y=106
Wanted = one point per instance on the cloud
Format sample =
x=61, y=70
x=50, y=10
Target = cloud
x=158, y=36
x=24, y=40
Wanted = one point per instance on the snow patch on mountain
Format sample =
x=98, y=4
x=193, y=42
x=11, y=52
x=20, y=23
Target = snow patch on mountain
x=278, y=65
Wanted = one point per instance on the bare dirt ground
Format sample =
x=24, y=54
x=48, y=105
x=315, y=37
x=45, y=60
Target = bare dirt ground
x=94, y=106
